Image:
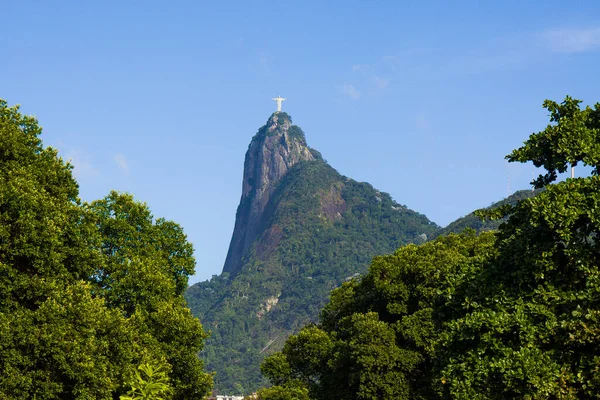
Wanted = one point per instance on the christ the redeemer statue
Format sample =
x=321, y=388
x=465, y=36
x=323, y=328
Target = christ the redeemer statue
x=279, y=100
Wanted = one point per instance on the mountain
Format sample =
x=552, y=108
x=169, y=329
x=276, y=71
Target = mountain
x=273, y=151
x=301, y=230
x=474, y=222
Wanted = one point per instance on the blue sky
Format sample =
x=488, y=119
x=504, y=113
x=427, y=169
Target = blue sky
x=421, y=99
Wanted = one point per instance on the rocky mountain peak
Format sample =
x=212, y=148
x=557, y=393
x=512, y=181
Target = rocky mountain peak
x=273, y=151
x=279, y=120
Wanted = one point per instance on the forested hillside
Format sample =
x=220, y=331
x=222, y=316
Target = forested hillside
x=317, y=230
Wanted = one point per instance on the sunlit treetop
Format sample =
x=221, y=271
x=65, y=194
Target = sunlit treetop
x=572, y=137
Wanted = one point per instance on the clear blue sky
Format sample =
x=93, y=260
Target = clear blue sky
x=422, y=99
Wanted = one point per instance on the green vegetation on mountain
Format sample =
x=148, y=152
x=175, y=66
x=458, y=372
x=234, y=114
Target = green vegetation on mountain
x=317, y=230
x=88, y=292
x=508, y=314
x=479, y=224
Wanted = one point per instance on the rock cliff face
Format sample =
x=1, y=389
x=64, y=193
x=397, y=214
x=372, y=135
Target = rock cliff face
x=276, y=148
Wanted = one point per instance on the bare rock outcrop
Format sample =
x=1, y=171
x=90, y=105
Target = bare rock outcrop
x=276, y=148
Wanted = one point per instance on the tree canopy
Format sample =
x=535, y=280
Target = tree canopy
x=376, y=337
x=513, y=313
x=88, y=292
x=572, y=137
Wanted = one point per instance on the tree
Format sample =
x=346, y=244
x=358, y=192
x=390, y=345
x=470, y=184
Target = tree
x=508, y=314
x=148, y=383
x=57, y=339
x=145, y=269
x=282, y=393
x=376, y=337
x=87, y=292
x=572, y=137
x=534, y=328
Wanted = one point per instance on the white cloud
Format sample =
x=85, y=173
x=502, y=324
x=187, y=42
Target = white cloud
x=350, y=91
x=379, y=82
x=572, y=40
x=121, y=163
x=82, y=167
x=361, y=68
x=371, y=77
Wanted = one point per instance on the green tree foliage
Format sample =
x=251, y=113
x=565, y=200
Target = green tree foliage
x=55, y=335
x=145, y=271
x=377, y=335
x=283, y=393
x=572, y=137
x=533, y=331
x=507, y=314
x=87, y=292
x=148, y=383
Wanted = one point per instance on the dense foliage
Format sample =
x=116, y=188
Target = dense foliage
x=87, y=291
x=507, y=314
x=572, y=137
x=532, y=329
x=377, y=336
x=148, y=383
x=320, y=229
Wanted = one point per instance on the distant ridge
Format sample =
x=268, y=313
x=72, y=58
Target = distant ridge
x=474, y=222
